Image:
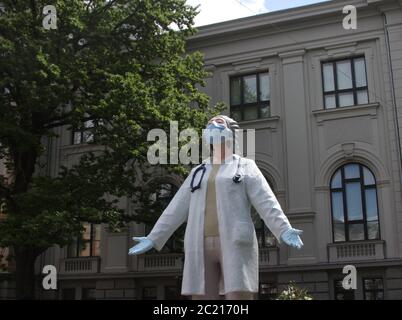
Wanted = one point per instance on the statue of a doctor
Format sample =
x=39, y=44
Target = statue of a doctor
x=220, y=243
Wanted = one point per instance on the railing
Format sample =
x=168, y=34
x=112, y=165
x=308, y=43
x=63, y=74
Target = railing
x=159, y=262
x=268, y=256
x=353, y=251
x=80, y=265
x=174, y=261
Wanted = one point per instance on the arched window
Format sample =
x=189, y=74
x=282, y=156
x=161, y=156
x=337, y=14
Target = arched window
x=264, y=235
x=354, y=204
x=161, y=196
x=159, y=199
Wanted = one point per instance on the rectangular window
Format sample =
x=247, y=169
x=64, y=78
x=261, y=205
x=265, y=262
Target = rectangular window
x=68, y=294
x=268, y=291
x=88, y=245
x=250, y=96
x=88, y=294
x=172, y=293
x=344, y=82
x=341, y=293
x=373, y=289
x=149, y=293
x=84, y=135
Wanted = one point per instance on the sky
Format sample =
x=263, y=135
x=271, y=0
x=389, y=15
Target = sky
x=213, y=11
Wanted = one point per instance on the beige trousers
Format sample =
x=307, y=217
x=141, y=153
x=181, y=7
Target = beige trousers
x=214, y=272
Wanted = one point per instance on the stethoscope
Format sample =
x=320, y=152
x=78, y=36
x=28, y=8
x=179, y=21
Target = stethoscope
x=237, y=178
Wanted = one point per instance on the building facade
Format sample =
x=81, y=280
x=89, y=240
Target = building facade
x=326, y=106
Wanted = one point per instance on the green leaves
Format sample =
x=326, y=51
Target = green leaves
x=292, y=292
x=119, y=64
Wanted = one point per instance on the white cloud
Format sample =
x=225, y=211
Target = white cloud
x=212, y=11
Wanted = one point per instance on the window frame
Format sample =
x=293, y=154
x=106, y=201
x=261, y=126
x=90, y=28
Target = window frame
x=260, y=103
x=268, y=296
x=86, y=293
x=264, y=231
x=374, y=290
x=67, y=292
x=171, y=244
x=340, y=289
x=91, y=242
x=354, y=90
x=155, y=297
x=81, y=133
x=174, y=289
x=342, y=189
x=264, y=228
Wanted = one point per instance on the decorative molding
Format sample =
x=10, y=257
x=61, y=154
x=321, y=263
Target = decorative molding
x=266, y=123
x=279, y=193
x=370, y=109
x=301, y=260
x=247, y=64
x=348, y=150
x=337, y=158
x=272, y=173
x=210, y=68
x=295, y=56
x=322, y=12
x=294, y=53
x=383, y=183
x=322, y=188
x=340, y=45
x=299, y=214
x=341, y=50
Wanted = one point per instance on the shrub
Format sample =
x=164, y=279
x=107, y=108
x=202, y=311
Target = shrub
x=292, y=292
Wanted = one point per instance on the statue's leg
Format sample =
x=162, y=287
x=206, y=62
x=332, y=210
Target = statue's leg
x=212, y=269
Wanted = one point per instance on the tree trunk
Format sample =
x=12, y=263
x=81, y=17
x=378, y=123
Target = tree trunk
x=25, y=273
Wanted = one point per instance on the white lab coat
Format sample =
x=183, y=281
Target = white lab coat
x=236, y=229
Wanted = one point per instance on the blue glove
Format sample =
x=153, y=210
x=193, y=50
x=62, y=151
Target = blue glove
x=291, y=238
x=144, y=245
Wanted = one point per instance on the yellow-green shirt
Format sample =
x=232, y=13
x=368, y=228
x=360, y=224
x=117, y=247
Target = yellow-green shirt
x=211, y=214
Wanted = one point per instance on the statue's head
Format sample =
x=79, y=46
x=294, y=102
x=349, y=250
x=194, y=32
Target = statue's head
x=220, y=129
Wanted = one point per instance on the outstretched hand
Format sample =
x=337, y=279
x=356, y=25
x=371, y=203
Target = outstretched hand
x=144, y=245
x=292, y=238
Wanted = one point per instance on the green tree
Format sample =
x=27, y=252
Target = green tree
x=120, y=64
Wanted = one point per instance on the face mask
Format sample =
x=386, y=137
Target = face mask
x=215, y=131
